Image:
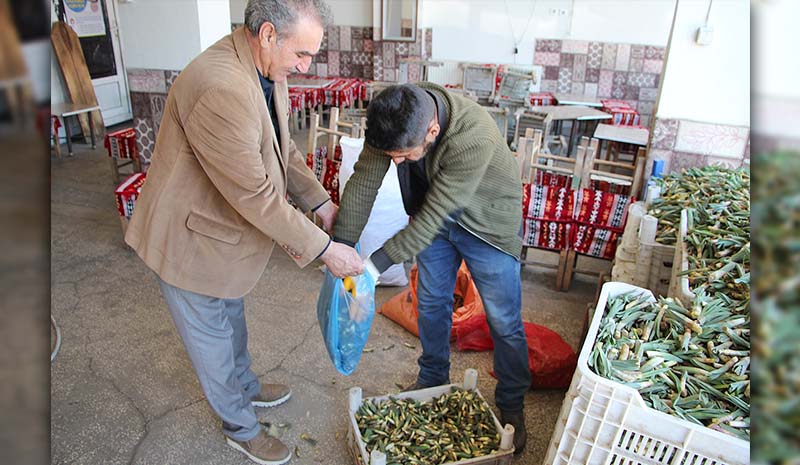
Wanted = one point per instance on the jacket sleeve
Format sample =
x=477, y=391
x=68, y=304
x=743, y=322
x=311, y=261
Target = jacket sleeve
x=450, y=191
x=304, y=188
x=359, y=195
x=225, y=134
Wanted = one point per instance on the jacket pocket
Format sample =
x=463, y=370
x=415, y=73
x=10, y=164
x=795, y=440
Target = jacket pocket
x=213, y=229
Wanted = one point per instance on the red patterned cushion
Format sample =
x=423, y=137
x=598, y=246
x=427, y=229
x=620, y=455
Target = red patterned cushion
x=121, y=144
x=598, y=221
x=610, y=187
x=552, y=179
x=594, y=241
x=614, y=103
x=545, y=234
x=603, y=209
x=326, y=170
x=547, y=202
x=127, y=193
x=623, y=116
x=539, y=99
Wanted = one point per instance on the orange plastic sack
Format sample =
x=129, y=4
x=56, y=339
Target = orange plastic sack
x=402, y=308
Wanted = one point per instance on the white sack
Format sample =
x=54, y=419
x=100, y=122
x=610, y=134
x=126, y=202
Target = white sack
x=388, y=215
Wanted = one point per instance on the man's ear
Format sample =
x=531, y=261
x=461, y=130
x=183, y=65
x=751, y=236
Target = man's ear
x=267, y=34
x=433, y=131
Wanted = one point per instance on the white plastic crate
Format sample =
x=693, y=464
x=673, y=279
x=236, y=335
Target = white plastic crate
x=640, y=260
x=657, y=259
x=679, y=285
x=603, y=422
x=356, y=443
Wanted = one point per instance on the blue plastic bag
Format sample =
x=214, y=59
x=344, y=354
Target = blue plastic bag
x=345, y=319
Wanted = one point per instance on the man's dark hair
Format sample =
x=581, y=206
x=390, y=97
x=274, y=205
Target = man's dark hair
x=398, y=118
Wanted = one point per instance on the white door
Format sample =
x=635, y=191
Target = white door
x=112, y=91
x=101, y=48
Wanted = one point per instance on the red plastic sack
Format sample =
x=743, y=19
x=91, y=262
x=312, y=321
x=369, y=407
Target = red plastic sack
x=550, y=359
x=402, y=308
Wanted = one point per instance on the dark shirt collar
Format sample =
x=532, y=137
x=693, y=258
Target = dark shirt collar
x=441, y=112
x=267, y=85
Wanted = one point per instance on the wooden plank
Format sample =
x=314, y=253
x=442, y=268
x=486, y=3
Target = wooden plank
x=624, y=134
x=70, y=58
x=14, y=78
x=572, y=258
x=12, y=63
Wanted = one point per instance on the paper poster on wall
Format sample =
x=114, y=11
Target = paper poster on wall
x=85, y=17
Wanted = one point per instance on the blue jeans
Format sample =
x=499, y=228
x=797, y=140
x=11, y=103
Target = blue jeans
x=496, y=275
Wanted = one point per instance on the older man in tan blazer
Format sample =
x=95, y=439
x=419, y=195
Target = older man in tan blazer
x=215, y=203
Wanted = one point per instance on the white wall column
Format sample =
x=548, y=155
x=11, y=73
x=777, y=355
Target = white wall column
x=168, y=34
x=709, y=83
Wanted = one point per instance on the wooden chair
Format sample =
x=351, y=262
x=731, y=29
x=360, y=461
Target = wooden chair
x=480, y=80
x=500, y=116
x=376, y=87
x=543, y=122
x=15, y=82
x=336, y=130
x=545, y=163
x=528, y=147
x=614, y=172
x=354, y=115
x=534, y=165
x=333, y=132
x=534, y=162
x=629, y=175
x=514, y=85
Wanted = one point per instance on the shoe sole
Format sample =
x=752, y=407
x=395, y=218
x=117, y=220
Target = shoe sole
x=255, y=459
x=272, y=403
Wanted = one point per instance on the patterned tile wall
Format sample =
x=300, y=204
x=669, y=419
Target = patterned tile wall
x=350, y=51
x=604, y=70
x=148, y=88
x=684, y=144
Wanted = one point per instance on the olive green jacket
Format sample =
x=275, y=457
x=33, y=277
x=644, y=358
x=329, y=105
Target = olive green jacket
x=473, y=179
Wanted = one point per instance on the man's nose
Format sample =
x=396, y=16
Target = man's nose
x=305, y=63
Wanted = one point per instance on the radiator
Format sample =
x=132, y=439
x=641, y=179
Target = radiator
x=452, y=73
x=448, y=73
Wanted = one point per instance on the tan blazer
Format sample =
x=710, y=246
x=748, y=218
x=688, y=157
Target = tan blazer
x=215, y=199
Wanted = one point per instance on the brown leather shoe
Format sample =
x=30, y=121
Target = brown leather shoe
x=272, y=395
x=263, y=449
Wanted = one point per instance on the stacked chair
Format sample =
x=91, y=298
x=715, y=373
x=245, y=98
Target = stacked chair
x=542, y=122
x=607, y=188
x=574, y=206
x=548, y=183
x=324, y=160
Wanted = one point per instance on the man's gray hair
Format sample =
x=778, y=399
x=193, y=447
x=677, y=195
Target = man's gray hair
x=283, y=14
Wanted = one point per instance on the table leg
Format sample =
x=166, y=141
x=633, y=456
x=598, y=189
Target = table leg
x=69, y=135
x=57, y=145
x=56, y=142
x=114, y=170
x=572, y=131
x=91, y=130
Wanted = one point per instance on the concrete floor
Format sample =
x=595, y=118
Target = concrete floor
x=123, y=389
